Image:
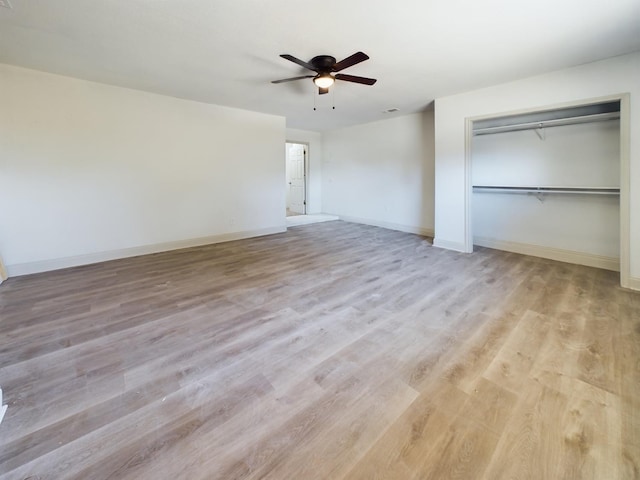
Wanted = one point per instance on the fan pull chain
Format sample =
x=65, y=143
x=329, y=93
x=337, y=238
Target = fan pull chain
x=333, y=99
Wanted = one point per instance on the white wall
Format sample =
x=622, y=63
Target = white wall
x=584, y=155
x=381, y=173
x=314, y=165
x=91, y=171
x=584, y=227
x=599, y=79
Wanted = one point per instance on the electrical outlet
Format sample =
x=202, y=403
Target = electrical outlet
x=5, y=4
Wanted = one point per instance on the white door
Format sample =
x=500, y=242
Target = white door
x=296, y=154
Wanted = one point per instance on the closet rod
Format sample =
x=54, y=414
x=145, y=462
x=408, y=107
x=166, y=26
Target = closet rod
x=578, y=190
x=558, y=122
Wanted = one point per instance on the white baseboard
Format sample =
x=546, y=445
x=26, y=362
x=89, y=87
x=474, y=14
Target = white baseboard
x=66, y=262
x=634, y=283
x=425, y=232
x=448, y=245
x=569, y=256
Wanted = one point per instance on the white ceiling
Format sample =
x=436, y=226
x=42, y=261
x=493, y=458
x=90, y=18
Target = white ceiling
x=226, y=52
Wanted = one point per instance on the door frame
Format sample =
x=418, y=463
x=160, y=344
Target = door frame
x=3, y=272
x=306, y=169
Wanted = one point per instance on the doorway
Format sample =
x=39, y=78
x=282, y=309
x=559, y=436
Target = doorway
x=296, y=179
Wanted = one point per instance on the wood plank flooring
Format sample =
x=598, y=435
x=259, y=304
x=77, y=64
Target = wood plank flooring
x=331, y=351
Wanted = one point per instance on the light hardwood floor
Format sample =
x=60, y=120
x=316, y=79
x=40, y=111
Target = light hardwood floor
x=331, y=351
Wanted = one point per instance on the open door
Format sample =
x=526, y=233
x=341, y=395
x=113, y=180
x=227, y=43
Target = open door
x=296, y=178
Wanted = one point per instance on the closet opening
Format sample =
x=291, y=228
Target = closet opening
x=552, y=183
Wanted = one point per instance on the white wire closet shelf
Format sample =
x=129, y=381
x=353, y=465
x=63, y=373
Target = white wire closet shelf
x=559, y=190
x=557, y=122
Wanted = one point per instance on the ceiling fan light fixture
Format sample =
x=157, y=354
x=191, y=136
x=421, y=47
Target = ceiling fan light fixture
x=324, y=80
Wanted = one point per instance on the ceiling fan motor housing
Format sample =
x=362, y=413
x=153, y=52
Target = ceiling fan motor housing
x=323, y=63
x=324, y=66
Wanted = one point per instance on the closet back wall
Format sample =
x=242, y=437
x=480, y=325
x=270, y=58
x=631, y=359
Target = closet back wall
x=91, y=172
x=585, y=155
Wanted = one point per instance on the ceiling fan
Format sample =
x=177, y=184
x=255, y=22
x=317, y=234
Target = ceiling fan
x=324, y=66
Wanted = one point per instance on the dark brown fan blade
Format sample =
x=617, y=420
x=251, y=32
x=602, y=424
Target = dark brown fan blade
x=322, y=91
x=350, y=61
x=293, y=59
x=292, y=79
x=354, y=79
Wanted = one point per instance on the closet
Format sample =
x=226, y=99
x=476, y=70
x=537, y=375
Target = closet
x=547, y=183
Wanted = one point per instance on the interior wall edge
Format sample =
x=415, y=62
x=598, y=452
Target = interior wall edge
x=3, y=272
x=75, y=261
x=425, y=232
x=558, y=254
